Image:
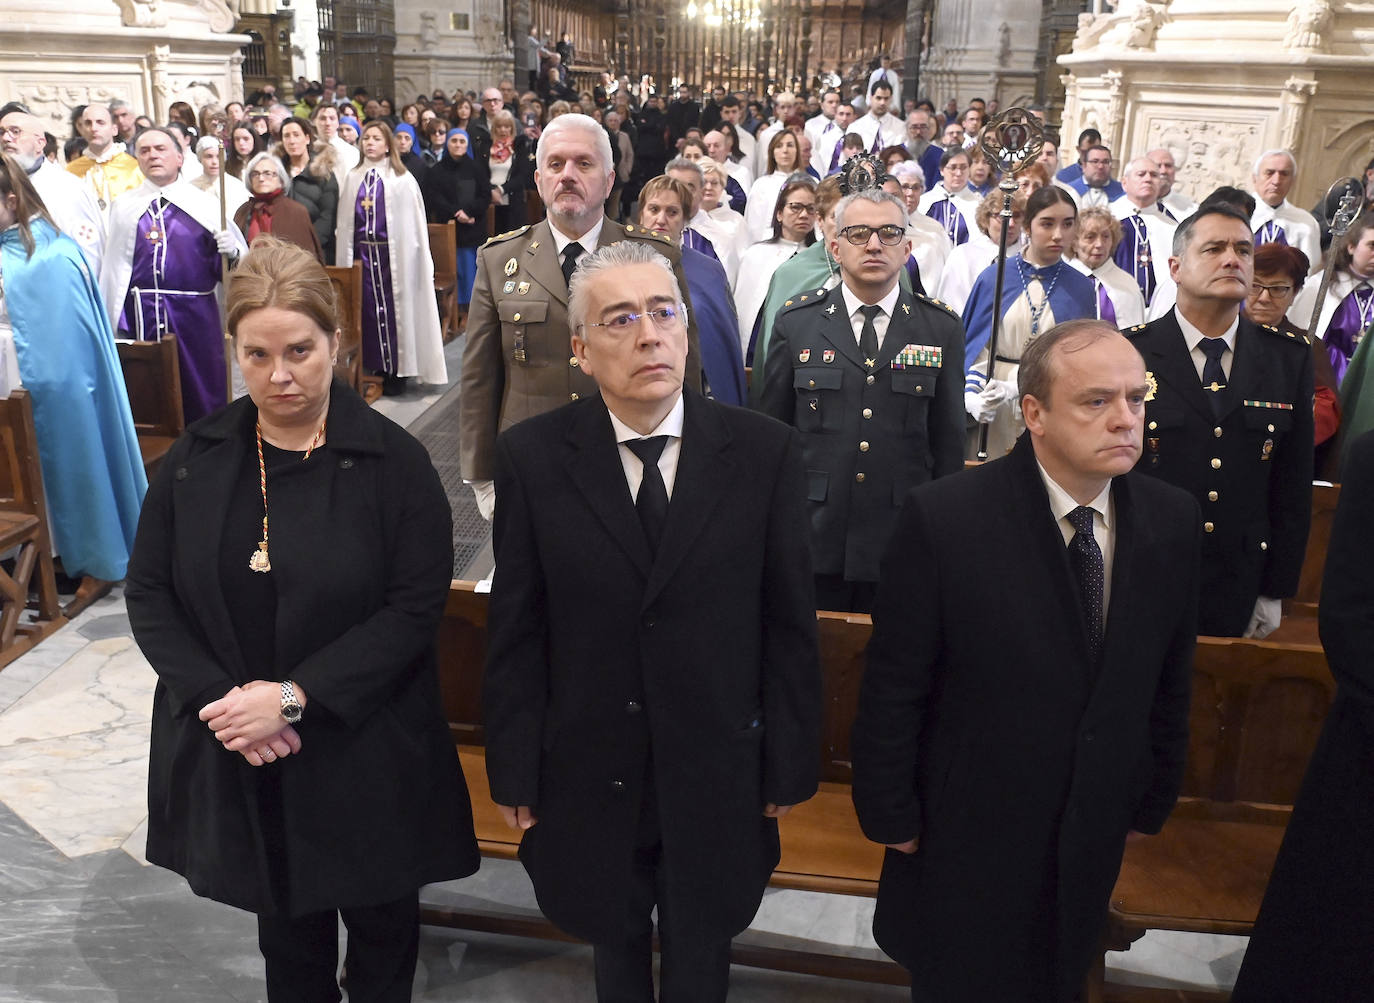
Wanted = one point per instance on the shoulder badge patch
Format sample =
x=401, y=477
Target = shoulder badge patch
x=934, y=302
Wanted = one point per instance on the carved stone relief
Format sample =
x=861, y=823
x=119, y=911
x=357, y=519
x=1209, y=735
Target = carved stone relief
x=54, y=102
x=1215, y=153
x=142, y=13
x=1308, y=22
x=429, y=30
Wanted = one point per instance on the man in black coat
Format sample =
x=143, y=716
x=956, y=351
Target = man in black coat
x=879, y=402
x=1236, y=433
x=1025, y=701
x=652, y=693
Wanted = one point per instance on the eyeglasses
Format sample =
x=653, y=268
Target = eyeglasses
x=800, y=208
x=889, y=234
x=663, y=317
x=1099, y=162
x=913, y=186
x=262, y=174
x=1278, y=292
x=12, y=130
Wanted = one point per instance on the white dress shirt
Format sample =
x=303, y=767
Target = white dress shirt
x=1104, y=527
x=1192, y=337
x=670, y=426
x=881, y=319
x=587, y=240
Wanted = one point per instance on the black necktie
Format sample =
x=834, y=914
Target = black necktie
x=1213, y=376
x=652, y=502
x=570, y=256
x=868, y=337
x=1085, y=557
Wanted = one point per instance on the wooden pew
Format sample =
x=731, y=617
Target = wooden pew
x=1257, y=710
x=348, y=299
x=443, y=248
x=23, y=531
x=152, y=378
x=1258, y=707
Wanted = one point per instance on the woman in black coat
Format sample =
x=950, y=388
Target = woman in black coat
x=314, y=183
x=510, y=162
x=458, y=188
x=300, y=765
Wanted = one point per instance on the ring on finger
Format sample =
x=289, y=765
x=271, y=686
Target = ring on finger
x=268, y=754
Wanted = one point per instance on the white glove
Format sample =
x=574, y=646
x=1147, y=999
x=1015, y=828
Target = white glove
x=977, y=410
x=983, y=406
x=485, y=492
x=1265, y=620
x=225, y=243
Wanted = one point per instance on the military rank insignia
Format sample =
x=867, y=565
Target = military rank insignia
x=1270, y=405
x=918, y=355
x=804, y=355
x=1152, y=386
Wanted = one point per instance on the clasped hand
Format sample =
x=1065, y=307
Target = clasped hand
x=247, y=720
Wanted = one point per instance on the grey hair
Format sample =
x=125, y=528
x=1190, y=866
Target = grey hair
x=272, y=162
x=116, y=105
x=573, y=120
x=1292, y=160
x=683, y=164
x=909, y=170
x=875, y=195
x=618, y=255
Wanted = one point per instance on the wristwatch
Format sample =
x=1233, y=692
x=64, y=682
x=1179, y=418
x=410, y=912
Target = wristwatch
x=290, y=706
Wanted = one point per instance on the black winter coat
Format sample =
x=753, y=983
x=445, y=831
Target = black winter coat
x=464, y=184
x=374, y=805
x=320, y=196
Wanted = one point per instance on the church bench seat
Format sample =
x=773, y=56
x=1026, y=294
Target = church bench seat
x=152, y=378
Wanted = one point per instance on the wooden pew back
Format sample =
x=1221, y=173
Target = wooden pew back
x=348, y=303
x=152, y=378
x=21, y=495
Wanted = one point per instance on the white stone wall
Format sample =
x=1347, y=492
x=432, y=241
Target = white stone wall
x=57, y=54
x=982, y=48
x=430, y=54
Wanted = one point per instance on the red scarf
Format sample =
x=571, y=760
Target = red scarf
x=262, y=214
x=500, y=152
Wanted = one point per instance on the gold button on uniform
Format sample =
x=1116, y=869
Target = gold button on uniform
x=863, y=446
x=1212, y=496
x=1270, y=427
x=919, y=388
x=516, y=317
x=859, y=477
x=572, y=397
x=1154, y=425
x=871, y=379
x=1217, y=431
x=1264, y=545
x=868, y=412
x=1207, y=527
x=811, y=383
x=573, y=362
x=1216, y=463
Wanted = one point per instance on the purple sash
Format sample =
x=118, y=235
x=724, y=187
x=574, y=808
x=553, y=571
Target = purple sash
x=176, y=267
x=1105, y=310
x=1133, y=254
x=370, y=246
x=1270, y=233
x=947, y=214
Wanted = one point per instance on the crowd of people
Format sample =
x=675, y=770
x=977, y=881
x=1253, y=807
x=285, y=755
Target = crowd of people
x=1156, y=351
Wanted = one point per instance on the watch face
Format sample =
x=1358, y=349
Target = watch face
x=291, y=712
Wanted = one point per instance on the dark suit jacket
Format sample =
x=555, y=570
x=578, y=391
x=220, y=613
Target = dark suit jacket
x=598, y=654
x=866, y=443
x=984, y=729
x=374, y=805
x=1250, y=471
x=518, y=359
x=1312, y=937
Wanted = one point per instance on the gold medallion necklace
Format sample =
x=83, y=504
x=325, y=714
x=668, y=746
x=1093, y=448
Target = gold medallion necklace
x=259, y=561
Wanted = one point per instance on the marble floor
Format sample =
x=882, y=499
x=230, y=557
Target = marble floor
x=84, y=918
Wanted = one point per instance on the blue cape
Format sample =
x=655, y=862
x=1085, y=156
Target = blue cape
x=92, y=468
x=717, y=326
x=1072, y=298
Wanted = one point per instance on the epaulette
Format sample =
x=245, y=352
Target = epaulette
x=1128, y=332
x=644, y=233
x=1289, y=335
x=505, y=236
x=808, y=298
x=940, y=303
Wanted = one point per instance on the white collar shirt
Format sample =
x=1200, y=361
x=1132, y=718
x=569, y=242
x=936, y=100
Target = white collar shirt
x=1104, y=526
x=670, y=426
x=1192, y=337
x=881, y=320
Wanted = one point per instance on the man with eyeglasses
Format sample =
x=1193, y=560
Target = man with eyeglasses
x=652, y=693
x=872, y=377
x=71, y=203
x=516, y=362
x=1096, y=188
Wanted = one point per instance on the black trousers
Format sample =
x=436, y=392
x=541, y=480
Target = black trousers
x=690, y=970
x=302, y=953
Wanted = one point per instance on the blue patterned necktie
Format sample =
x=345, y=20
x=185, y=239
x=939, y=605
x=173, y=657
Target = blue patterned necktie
x=1085, y=557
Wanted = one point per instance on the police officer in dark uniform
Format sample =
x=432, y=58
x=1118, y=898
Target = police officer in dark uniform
x=872, y=376
x=1229, y=419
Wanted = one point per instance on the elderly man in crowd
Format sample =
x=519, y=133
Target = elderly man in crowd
x=1075, y=653
x=1276, y=220
x=516, y=362
x=1174, y=199
x=163, y=270
x=71, y=204
x=872, y=376
x=648, y=718
x=1147, y=228
x=1229, y=419
x=105, y=166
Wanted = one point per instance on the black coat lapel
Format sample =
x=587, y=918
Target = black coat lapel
x=704, y=472
x=594, y=465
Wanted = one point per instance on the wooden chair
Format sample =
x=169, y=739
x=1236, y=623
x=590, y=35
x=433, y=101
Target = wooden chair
x=23, y=532
x=152, y=377
x=1257, y=710
x=443, y=248
x=348, y=295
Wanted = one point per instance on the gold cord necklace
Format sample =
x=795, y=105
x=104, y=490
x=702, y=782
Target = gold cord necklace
x=259, y=561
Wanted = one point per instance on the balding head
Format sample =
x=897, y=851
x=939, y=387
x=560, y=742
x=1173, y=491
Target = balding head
x=21, y=136
x=717, y=147
x=99, y=128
